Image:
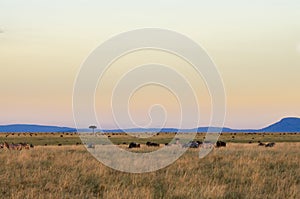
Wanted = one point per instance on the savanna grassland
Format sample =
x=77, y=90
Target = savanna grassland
x=241, y=170
x=43, y=139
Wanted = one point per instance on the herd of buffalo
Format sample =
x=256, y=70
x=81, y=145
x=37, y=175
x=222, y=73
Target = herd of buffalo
x=191, y=144
x=194, y=144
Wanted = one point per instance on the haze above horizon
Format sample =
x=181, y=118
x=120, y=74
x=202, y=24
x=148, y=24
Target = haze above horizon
x=255, y=45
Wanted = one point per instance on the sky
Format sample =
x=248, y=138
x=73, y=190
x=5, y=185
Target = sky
x=254, y=44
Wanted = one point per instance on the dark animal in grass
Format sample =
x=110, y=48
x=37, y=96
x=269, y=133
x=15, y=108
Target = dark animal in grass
x=191, y=144
x=91, y=146
x=261, y=144
x=152, y=144
x=270, y=144
x=220, y=144
x=134, y=145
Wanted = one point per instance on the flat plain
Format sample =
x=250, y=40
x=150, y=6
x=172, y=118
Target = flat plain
x=240, y=170
x=162, y=138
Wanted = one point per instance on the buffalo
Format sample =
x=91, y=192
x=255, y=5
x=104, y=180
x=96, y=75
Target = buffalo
x=270, y=144
x=261, y=144
x=152, y=144
x=134, y=145
x=220, y=144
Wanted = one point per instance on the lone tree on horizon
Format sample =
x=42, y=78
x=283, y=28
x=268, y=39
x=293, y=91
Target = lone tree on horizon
x=93, y=127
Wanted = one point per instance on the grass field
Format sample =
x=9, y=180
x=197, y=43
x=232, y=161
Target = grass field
x=162, y=138
x=237, y=171
x=241, y=170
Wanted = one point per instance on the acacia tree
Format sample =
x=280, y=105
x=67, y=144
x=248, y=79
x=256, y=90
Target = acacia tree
x=93, y=127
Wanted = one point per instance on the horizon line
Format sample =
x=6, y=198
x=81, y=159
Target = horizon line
x=35, y=124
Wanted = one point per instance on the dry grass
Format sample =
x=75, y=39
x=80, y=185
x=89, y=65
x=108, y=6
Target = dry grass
x=237, y=171
x=162, y=138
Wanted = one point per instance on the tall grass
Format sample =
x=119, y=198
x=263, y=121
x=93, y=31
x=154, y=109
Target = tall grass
x=237, y=171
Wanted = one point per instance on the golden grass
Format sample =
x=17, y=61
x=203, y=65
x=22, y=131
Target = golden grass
x=120, y=138
x=237, y=171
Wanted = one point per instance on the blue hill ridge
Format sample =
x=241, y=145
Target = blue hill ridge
x=289, y=124
x=34, y=128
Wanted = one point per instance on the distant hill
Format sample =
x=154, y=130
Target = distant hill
x=290, y=124
x=34, y=128
x=170, y=130
x=140, y=130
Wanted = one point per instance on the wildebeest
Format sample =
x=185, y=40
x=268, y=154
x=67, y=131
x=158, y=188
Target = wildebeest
x=261, y=144
x=271, y=144
x=152, y=144
x=220, y=144
x=134, y=145
x=191, y=144
x=91, y=146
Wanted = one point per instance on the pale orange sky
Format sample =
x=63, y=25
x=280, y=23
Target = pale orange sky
x=255, y=46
